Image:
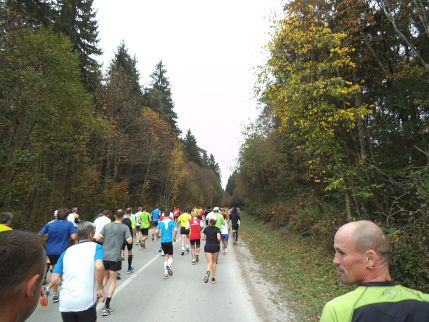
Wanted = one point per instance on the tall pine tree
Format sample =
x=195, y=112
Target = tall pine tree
x=76, y=19
x=191, y=148
x=158, y=96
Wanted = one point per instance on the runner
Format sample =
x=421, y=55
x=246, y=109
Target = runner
x=235, y=224
x=59, y=233
x=138, y=223
x=225, y=233
x=48, y=263
x=219, y=218
x=219, y=222
x=113, y=236
x=80, y=272
x=131, y=224
x=145, y=219
x=156, y=213
x=183, y=219
x=167, y=231
x=73, y=216
x=195, y=226
x=211, y=249
x=176, y=213
x=100, y=222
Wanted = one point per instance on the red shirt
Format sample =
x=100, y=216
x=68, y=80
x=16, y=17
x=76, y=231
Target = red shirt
x=195, y=226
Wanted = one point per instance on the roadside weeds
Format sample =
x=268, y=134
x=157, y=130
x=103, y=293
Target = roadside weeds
x=300, y=267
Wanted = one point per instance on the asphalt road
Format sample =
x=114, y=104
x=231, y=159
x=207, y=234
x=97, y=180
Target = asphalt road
x=146, y=296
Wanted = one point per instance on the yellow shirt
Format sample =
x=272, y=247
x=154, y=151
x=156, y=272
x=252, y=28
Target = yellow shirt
x=3, y=227
x=184, y=220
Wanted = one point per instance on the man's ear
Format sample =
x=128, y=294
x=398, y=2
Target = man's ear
x=33, y=285
x=371, y=258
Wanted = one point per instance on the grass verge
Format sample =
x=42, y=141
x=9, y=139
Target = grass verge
x=300, y=267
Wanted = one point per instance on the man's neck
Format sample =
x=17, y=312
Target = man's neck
x=381, y=275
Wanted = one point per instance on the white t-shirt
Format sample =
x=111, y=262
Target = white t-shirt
x=99, y=224
x=71, y=217
x=77, y=268
x=137, y=217
x=211, y=215
x=224, y=230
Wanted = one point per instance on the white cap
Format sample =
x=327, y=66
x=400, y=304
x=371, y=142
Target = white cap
x=216, y=209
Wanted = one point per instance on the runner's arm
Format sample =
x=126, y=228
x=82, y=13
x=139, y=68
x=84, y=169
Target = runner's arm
x=99, y=269
x=56, y=277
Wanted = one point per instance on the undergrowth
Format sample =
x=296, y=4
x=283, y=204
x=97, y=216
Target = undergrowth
x=300, y=267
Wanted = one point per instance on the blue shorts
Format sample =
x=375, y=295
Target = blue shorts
x=224, y=237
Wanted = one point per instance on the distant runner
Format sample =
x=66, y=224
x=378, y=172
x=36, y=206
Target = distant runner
x=195, y=225
x=167, y=231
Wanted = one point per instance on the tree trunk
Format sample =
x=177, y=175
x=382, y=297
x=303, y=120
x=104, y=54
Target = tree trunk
x=359, y=123
x=348, y=206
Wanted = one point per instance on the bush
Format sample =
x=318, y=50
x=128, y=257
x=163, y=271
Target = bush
x=410, y=256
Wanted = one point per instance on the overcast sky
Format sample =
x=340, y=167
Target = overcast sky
x=210, y=50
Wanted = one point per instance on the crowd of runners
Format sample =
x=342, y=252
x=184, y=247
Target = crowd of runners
x=85, y=258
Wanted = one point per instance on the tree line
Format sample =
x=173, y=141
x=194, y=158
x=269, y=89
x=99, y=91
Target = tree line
x=343, y=129
x=73, y=135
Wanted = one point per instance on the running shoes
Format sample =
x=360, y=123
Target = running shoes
x=56, y=297
x=106, y=311
x=206, y=277
x=170, y=272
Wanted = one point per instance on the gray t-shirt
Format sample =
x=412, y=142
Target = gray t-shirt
x=115, y=234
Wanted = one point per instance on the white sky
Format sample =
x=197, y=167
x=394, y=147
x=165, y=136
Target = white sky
x=210, y=50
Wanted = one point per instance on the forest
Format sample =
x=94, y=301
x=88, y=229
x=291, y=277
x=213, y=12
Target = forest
x=343, y=127
x=73, y=134
x=342, y=134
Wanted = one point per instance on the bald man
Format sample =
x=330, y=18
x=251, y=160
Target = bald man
x=362, y=258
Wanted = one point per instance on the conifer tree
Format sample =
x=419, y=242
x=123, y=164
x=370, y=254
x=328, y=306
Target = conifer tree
x=158, y=96
x=214, y=166
x=124, y=90
x=192, y=151
x=76, y=19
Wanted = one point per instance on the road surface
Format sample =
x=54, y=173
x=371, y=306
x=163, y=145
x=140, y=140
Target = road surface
x=146, y=296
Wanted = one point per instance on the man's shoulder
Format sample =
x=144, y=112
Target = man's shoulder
x=340, y=308
x=346, y=298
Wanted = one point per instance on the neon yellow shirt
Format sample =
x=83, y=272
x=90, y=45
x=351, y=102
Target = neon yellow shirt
x=184, y=220
x=3, y=227
x=144, y=219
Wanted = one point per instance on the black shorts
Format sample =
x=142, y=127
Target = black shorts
x=129, y=246
x=145, y=231
x=195, y=242
x=154, y=224
x=184, y=231
x=89, y=315
x=234, y=227
x=208, y=248
x=112, y=266
x=167, y=248
x=53, y=259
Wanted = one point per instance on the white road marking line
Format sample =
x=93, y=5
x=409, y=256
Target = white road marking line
x=132, y=277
